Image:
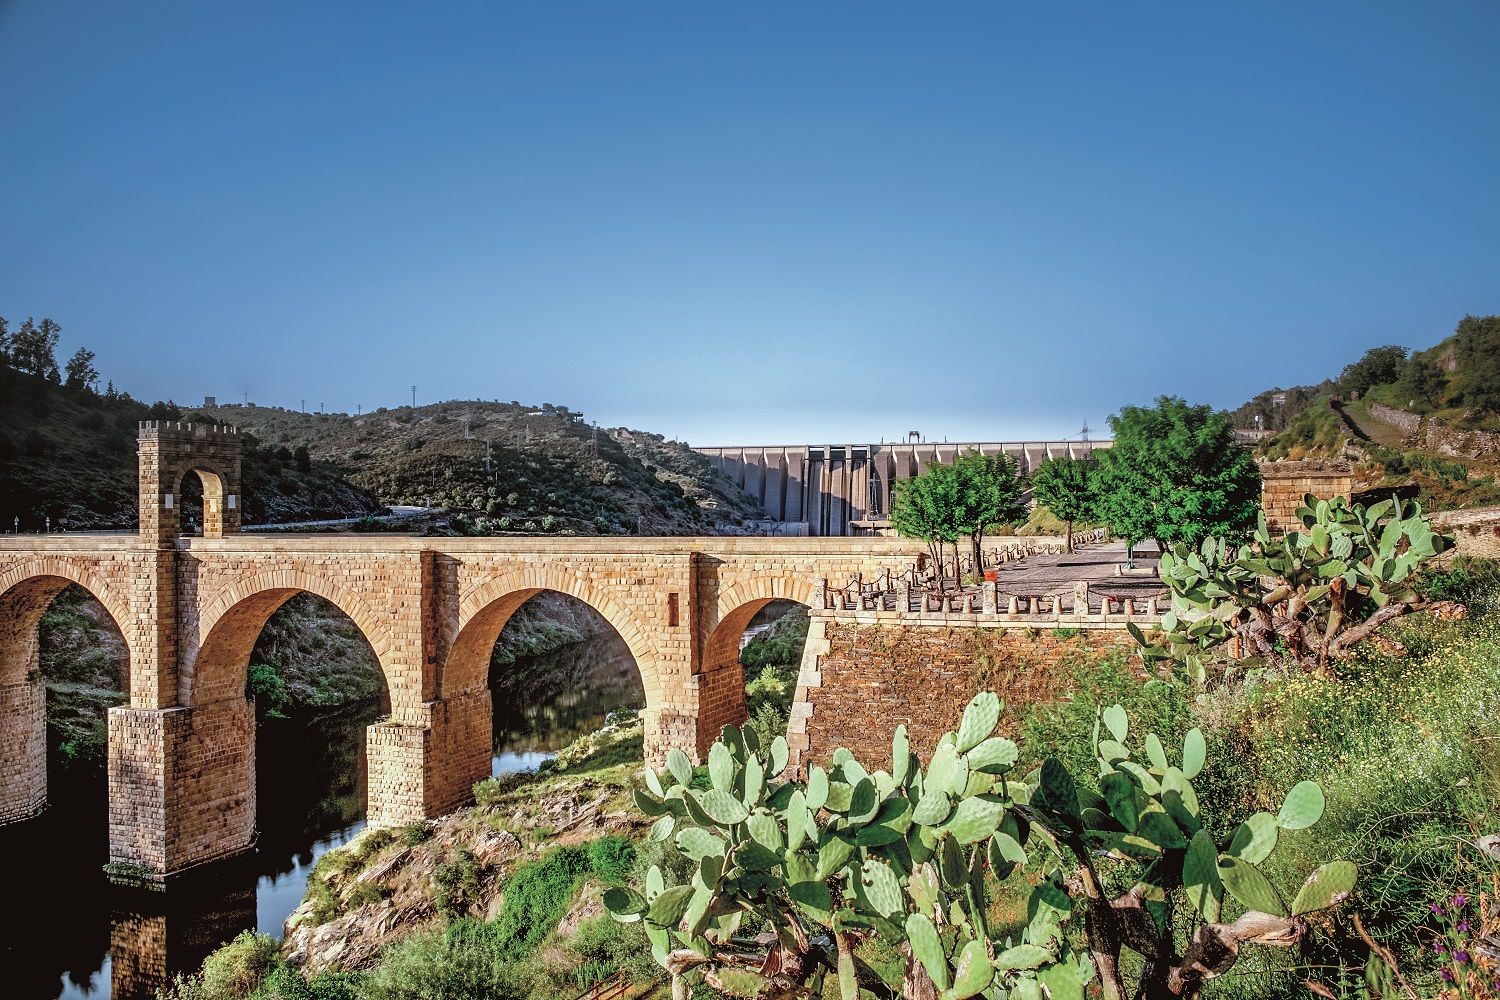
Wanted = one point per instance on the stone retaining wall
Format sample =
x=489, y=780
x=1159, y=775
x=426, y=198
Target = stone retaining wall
x=859, y=681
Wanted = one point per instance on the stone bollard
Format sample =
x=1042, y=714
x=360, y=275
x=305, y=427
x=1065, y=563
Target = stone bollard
x=1014, y=607
x=1080, y=599
x=990, y=594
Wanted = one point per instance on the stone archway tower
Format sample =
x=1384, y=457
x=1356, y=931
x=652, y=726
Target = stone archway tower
x=169, y=764
x=168, y=451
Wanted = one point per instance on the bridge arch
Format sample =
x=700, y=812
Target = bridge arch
x=721, y=677
x=485, y=608
x=26, y=591
x=214, y=668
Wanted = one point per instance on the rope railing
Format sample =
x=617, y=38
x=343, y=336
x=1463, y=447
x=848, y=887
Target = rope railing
x=946, y=575
x=937, y=589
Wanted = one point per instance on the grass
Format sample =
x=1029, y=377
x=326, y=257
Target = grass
x=1407, y=751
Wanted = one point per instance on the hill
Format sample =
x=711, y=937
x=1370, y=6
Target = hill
x=1425, y=420
x=68, y=454
x=507, y=467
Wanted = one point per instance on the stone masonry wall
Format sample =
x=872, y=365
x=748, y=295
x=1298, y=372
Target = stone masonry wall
x=858, y=682
x=1476, y=531
x=23, y=750
x=1284, y=484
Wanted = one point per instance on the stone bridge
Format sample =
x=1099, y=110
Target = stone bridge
x=182, y=750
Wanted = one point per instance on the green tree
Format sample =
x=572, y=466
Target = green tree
x=965, y=499
x=989, y=494
x=927, y=507
x=33, y=347
x=1422, y=380
x=1379, y=366
x=1479, y=361
x=1176, y=474
x=82, y=375
x=4, y=341
x=1066, y=486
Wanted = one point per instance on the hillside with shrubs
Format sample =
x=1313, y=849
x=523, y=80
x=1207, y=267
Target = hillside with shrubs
x=68, y=460
x=1426, y=421
x=507, y=467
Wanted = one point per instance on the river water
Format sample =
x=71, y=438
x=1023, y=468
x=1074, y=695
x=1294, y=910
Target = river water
x=67, y=933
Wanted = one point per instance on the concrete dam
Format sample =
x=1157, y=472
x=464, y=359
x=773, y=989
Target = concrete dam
x=845, y=489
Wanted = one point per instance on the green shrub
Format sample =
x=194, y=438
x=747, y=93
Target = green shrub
x=325, y=902
x=272, y=697
x=768, y=721
x=456, y=884
x=602, y=947
x=433, y=966
x=236, y=970
x=611, y=858
x=364, y=894
x=413, y=834
x=1470, y=581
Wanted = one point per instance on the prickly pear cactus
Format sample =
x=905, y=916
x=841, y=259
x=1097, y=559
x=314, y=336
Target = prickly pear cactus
x=1147, y=813
x=1311, y=594
x=899, y=852
x=787, y=875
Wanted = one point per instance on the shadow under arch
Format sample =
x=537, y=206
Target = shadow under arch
x=26, y=592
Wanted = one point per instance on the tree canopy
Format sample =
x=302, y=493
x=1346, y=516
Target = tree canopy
x=967, y=498
x=81, y=373
x=1479, y=361
x=1176, y=474
x=32, y=348
x=1379, y=366
x=1066, y=487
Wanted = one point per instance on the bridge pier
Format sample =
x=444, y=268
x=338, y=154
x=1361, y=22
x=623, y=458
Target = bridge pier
x=422, y=769
x=23, y=748
x=181, y=786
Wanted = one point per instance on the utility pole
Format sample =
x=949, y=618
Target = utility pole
x=320, y=409
x=303, y=407
x=359, y=409
x=413, y=397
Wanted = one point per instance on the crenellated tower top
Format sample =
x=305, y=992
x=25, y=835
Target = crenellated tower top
x=169, y=451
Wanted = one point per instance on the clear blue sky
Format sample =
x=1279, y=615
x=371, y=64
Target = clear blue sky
x=739, y=223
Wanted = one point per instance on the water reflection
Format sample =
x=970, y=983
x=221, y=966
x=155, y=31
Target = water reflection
x=544, y=703
x=68, y=934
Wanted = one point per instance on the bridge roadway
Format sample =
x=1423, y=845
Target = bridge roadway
x=181, y=751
